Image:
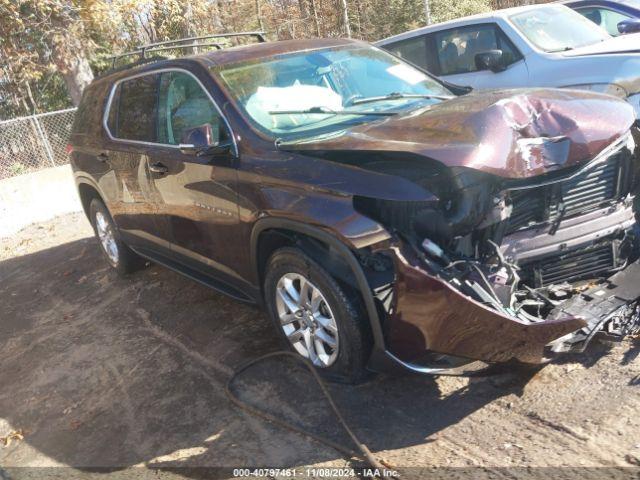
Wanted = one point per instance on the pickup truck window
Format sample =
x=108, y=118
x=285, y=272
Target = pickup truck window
x=604, y=17
x=457, y=48
x=556, y=28
x=412, y=50
x=418, y=50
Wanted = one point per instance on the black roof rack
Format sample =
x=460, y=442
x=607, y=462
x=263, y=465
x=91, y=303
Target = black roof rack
x=191, y=42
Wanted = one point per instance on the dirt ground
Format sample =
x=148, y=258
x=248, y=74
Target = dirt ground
x=97, y=372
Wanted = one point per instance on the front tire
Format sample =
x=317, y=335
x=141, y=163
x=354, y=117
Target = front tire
x=117, y=254
x=316, y=317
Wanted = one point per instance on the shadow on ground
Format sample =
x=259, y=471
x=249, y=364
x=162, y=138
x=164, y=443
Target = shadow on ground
x=102, y=371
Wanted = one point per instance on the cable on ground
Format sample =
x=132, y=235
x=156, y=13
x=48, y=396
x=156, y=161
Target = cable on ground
x=362, y=451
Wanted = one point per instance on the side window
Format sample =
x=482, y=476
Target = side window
x=457, y=48
x=89, y=110
x=133, y=109
x=183, y=104
x=607, y=19
x=413, y=50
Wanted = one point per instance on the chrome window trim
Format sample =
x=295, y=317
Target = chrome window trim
x=105, y=116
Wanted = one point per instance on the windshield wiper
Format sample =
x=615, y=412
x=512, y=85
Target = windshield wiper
x=328, y=111
x=396, y=95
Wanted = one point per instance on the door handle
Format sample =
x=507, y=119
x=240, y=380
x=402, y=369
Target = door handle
x=158, y=168
x=102, y=157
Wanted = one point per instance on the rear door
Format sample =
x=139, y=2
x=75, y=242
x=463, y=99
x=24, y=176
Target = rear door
x=198, y=199
x=131, y=125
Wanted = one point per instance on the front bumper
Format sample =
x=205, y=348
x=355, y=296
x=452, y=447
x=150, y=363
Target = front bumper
x=597, y=306
x=429, y=315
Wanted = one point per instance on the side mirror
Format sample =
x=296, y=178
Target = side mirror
x=196, y=138
x=219, y=148
x=630, y=25
x=198, y=141
x=490, y=60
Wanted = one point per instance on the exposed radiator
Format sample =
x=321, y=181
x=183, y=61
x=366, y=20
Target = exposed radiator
x=588, y=191
x=571, y=266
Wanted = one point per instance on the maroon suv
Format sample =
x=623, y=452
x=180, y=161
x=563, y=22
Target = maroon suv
x=382, y=218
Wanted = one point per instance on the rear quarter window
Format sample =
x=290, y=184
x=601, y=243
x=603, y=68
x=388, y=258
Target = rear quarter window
x=134, y=104
x=418, y=50
x=413, y=50
x=88, y=117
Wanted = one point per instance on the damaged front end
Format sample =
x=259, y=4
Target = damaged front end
x=525, y=242
x=498, y=269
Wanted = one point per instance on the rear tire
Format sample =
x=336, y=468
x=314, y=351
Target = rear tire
x=118, y=255
x=316, y=317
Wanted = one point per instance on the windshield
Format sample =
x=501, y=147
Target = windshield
x=314, y=92
x=554, y=28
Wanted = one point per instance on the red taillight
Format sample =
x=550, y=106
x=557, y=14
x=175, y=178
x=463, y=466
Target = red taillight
x=69, y=149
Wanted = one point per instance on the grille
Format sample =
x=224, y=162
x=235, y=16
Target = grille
x=571, y=266
x=586, y=192
x=529, y=208
x=589, y=190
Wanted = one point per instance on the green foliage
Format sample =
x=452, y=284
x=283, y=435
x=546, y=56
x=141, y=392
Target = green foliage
x=17, y=169
x=50, y=92
x=441, y=10
x=391, y=17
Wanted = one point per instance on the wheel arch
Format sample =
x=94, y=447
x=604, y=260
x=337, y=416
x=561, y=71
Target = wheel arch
x=87, y=192
x=269, y=234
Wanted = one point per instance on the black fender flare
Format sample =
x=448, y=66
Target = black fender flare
x=81, y=179
x=343, y=250
x=88, y=180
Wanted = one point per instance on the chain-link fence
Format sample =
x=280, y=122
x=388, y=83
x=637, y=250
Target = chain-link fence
x=31, y=143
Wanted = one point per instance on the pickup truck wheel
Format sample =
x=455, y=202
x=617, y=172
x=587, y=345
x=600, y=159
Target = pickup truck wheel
x=118, y=255
x=315, y=317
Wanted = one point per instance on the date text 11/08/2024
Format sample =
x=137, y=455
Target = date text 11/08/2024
x=315, y=472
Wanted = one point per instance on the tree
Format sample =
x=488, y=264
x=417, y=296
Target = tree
x=39, y=38
x=345, y=18
x=48, y=46
x=65, y=38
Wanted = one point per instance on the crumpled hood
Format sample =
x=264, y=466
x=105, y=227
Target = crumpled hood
x=623, y=44
x=510, y=133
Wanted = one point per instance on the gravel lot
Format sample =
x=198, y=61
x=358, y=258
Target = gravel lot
x=103, y=372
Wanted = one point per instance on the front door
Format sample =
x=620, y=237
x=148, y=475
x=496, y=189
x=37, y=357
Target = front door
x=198, y=198
x=456, y=50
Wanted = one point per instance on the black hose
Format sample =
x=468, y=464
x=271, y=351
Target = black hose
x=364, y=453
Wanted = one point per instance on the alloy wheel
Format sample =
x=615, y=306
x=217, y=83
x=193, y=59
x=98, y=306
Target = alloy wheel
x=307, y=319
x=107, y=238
